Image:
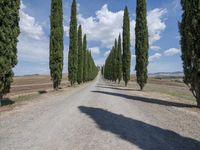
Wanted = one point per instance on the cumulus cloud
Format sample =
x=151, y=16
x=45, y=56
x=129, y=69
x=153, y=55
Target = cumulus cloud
x=29, y=26
x=33, y=46
x=95, y=50
x=156, y=24
x=155, y=48
x=106, y=25
x=172, y=52
x=155, y=57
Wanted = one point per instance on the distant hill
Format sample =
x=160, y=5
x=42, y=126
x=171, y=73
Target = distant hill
x=167, y=74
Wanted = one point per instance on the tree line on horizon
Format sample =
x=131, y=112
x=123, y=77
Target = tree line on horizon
x=81, y=66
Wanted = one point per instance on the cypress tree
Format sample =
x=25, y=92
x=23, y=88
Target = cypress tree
x=9, y=31
x=119, y=60
x=80, y=57
x=141, y=44
x=84, y=57
x=126, y=57
x=73, y=50
x=115, y=52
x=56, y=43
x=190, y=45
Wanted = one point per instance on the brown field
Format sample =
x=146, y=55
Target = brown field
x=33, y=83
x=26, y=85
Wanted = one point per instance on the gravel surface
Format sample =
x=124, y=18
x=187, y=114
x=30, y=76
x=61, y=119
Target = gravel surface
x=101, y=116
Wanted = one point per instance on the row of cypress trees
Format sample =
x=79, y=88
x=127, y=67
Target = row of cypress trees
x=81, y=66
x=113, y=66
x=118, y=63
x=9, y=31
x=190, y=45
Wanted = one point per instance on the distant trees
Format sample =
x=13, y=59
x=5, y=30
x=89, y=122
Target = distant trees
x=141, y=43
x=85, y=58
x=119, y=59
x=9, y=31
x=81, y=66
x=56, y=43
x=113, y=67
x=190, y=45
x=126, y=57
x=80, y=56
x=73, y=50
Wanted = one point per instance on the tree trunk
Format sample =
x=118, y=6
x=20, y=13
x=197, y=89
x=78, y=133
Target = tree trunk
x=198, y=100
x=1, y=97
x=126, y=83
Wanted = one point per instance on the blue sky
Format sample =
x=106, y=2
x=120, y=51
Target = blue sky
x=102, y=22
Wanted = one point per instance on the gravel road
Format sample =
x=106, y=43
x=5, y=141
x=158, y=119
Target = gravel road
x=101, y=116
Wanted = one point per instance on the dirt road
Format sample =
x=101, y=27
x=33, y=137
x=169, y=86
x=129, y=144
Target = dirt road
x=101, y=116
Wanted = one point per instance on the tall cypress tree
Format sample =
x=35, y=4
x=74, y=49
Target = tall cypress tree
x=115, y=65
x=56, y=43
x=80, y=57
x=84, y=58
x=73, y=50
x=141, y=44
x=190, y=45
x=126, y=57
x=9, y=31
x=119, y=59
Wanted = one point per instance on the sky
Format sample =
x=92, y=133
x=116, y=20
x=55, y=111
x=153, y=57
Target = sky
x=102, y=21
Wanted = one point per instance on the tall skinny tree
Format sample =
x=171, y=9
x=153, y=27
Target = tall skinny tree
x=190, y=45
x=56, y=43
x=141, y=43
x=126, y=58
x=85, y=58
x=73, y=49
x=9, y=31
x=80, y=57
x=119, y=60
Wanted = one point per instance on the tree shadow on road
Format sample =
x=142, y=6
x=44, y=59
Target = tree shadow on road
x=117, y=88
x=145, y=136
x=147, y=100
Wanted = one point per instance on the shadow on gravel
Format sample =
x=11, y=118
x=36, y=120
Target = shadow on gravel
x=5, y=102
x=145, y=136
x=147, y=100
x=117, y=88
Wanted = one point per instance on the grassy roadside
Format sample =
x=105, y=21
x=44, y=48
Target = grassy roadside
x=169, y=87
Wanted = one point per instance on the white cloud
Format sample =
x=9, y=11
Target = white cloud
x=66, y=30
x=95, y=50
x=155, y=48
x=133, y=56
x=107, y=53
x=172, y=52
x=33, y=46
x=29, y=26
x=156, y=24
x=106, y=25
x=155, y=57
